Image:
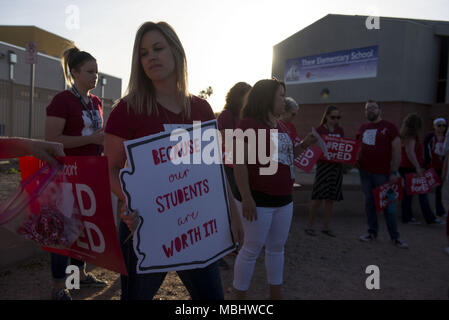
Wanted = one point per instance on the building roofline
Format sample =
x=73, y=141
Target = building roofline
x=426, y=23
x=35, y=27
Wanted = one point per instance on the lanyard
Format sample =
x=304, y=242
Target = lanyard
x=96, y=121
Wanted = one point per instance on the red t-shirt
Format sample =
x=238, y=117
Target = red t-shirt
x=435, y=151
x=323, y=130
x=291, y=130
x=281, y=183
x=375, y=148
x=226, y=120
x=405, y=161
x=77, y=122
x=338, y=132
x=129, y=125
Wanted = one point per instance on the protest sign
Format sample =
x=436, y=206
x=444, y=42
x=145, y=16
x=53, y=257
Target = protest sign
x=88, y=180
x=380, y=194
x=422, y=185
x=341, y=150
x=307, y=160
x=183, y=205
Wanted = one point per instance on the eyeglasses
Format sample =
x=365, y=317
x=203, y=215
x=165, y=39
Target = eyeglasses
x=442, y=126
x=335, y=117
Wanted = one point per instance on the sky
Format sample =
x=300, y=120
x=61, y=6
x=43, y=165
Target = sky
x=226, y=41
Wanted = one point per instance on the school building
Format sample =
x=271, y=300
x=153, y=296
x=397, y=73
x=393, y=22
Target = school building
x=15, y=78
x=345, y=60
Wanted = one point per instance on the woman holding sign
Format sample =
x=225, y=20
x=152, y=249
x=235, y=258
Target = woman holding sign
x=434, y=158
x=157, y=98
x=328, y=177
x=411, y=162
x=265, y=195
x=75, y=119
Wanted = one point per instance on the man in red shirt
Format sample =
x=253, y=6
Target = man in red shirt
x=379, y=159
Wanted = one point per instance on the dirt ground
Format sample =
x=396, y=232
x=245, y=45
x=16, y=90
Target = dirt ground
x=315, y=267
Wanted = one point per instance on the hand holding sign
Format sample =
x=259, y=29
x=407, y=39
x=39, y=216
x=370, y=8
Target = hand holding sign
x=320, y=143
x=183, y=207
x=422, y=184
x=382, y=197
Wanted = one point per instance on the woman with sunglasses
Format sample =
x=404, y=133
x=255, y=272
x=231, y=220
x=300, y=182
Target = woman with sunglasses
x=328, y=177
x=434, y=158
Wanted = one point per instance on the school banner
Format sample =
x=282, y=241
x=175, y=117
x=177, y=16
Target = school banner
x=88, y=180
x=422, y=185
x=381, y=194
x=340, y=65
x=341, y=150
x=178, y=186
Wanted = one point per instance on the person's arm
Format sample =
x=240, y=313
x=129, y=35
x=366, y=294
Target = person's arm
x=20, y=147
x=395, y=158
x=309, y=140
x=249, y=210
x=54, y=128
x=115, y=153
x=236, y=223
x=411, y=154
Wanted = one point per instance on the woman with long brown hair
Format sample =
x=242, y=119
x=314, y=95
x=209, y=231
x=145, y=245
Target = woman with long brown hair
x=328, y=177
x=265, y=199
x=157, y=98
x=412, y=162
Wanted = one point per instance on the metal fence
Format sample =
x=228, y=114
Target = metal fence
x=14, y=109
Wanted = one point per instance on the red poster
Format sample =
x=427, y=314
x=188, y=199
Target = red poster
x=308, y=158
x=380, y=194
x=341, y=150
x=422, y=185
x=88, y=178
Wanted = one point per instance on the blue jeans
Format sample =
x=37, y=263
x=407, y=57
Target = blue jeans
x=59, y=264
x=407, y=212
x=370, y=181
x=202, y=284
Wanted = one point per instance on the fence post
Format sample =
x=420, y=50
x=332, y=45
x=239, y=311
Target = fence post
x=12, y=101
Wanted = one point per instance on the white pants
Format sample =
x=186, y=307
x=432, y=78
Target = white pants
x=271, y=229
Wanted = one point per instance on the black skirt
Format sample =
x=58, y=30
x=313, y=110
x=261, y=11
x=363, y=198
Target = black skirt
x=328, y=181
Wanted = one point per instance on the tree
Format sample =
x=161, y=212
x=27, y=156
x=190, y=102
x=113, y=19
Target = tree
x=206, y=93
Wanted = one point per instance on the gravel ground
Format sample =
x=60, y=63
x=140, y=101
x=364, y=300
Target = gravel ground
x=315, y=267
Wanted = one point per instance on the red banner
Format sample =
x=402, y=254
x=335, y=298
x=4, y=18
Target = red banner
x=88, y=179
x=422, y=185
x=308, y=158
x=341, y=150
x=380, y=194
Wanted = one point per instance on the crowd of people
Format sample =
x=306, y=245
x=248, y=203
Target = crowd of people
x=262, y=206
